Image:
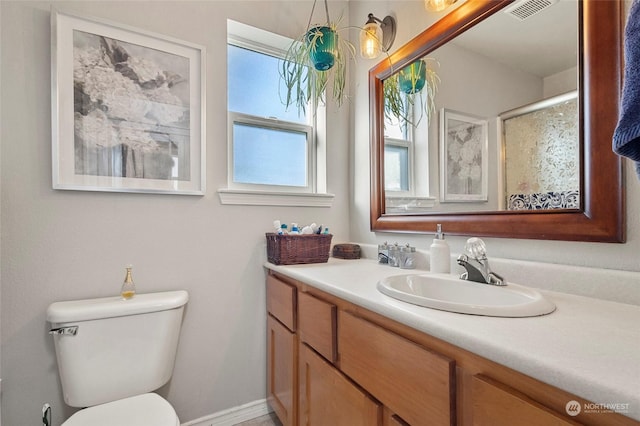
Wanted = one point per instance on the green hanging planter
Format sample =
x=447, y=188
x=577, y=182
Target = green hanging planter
x=409, y=94
x=322, y=42
x=412, y=78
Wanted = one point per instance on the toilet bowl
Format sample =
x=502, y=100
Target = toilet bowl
x=113, y=353
x=142, y=410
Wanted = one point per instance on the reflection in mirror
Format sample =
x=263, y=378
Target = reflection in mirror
x=463, y=157
x=500, y=64
x=408, y=102
x=541, y=155
x=600, y=214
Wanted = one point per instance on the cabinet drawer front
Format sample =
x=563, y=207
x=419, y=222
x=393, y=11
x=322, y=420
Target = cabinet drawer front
x=328, y=398
x=497, y=404
x=281, y=302
x=412, y=381
x=317, y=325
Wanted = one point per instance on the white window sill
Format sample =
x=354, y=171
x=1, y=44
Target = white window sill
x=409, y=204
x=264, y=198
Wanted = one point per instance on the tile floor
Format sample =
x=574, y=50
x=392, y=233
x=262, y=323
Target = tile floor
x=266, y=420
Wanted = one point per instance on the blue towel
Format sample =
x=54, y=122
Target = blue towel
x=626, y=138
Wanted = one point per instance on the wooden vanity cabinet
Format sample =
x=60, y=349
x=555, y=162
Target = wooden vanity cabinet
x=318, y=325
x=282, y=351
x=329, y=398
x=417, y=384
x=391, y=419
x=334, y=363
x=500, y=405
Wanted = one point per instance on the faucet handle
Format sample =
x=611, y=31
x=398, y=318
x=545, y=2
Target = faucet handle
x=476, y=248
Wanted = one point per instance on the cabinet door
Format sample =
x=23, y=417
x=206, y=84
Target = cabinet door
x=328, y=398
x=282, y=361
x=495, y=404
x=415, y=383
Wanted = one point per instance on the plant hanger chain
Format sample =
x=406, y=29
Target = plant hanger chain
x=326, y=9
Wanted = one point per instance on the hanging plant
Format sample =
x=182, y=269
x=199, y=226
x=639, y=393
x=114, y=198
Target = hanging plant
x=315, y=58
x=411, y=79
x=321, y=42
x=411, y=91
x=319, y=57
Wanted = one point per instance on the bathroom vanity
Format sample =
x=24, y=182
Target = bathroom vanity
x=341, y=353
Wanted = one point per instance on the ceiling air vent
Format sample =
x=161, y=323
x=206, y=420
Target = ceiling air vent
x=524, y=9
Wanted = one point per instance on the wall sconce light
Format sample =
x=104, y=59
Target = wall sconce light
x=377, y=36
x=437, y=5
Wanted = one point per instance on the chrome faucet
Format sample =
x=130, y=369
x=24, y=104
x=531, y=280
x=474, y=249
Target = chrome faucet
x=477, y=265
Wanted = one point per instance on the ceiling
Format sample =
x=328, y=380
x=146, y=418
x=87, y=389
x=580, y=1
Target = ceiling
x=543, y=44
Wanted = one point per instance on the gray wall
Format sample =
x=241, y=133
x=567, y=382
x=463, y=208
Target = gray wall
x=61, y=245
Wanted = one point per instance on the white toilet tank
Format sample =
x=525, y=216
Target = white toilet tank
x=121, y=348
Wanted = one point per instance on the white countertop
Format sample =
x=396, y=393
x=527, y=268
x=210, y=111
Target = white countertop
x=588, y=347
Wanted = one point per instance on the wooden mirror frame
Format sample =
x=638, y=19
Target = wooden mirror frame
x=601, y=217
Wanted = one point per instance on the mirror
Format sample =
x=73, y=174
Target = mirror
x=600, y=212
x=504, y=63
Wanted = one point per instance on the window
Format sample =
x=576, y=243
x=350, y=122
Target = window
x=405, y=145
x=398, y=157
x=271, y=149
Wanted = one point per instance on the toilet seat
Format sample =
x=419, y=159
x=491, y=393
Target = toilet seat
x=140, y=410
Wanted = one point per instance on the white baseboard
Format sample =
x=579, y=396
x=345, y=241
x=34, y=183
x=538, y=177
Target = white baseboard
x=233, y=416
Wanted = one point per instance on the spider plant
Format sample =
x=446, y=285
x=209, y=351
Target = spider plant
x=306, y=81
x=409, y=95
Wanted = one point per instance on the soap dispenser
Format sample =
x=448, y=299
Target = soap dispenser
x=440, y=254
x=128, y=286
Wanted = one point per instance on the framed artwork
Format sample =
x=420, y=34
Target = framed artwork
x=127, y=109
x=463, y=157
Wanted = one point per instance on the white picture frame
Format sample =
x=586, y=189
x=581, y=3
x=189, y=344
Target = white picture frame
x=128, y=109
x=463, y=157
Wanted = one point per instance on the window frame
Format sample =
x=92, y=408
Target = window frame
x=314, y=194
x=409, y=142
x=269, y=123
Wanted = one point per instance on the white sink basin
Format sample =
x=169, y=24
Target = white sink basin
x=449, y=293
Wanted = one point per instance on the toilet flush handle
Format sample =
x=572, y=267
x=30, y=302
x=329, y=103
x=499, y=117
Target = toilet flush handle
x=72, y=330
x=46, y=415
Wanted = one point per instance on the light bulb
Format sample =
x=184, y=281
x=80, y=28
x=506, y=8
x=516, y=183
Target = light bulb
x=437, y=5
x=370, y=40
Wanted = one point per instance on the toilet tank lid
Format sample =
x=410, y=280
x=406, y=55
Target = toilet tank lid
x=109, y=307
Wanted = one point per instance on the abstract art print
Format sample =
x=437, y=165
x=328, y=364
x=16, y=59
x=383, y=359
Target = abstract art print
x=127, y=109
x=463, y=157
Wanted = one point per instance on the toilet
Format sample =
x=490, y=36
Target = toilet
x=113, y=353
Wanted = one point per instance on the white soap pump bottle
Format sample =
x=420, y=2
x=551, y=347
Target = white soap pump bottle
x=440, y=254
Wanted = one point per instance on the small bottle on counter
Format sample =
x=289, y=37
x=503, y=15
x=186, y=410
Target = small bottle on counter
x=407, y=257
x=440, y=254
x=128, y=289
x=394, y=255
x=383, y=253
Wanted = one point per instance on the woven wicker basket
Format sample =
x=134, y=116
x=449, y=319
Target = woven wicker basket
x=298, y=249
